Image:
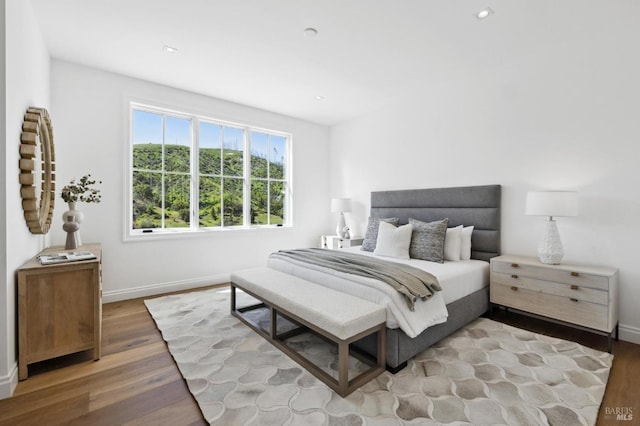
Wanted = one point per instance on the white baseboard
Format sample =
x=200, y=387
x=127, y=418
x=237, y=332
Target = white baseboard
x=629, y=333
x=154, y=289
x=8, y=383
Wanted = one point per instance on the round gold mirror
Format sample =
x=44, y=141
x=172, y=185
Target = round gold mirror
x=37, y=170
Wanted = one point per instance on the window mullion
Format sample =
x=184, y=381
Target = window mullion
x=246, y=177
x=163, y=173
x=268, y=180
x=222, y=176
x=195, y=174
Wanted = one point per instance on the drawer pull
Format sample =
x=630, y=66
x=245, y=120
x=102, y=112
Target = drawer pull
x=574, y=287
x=514, y=276
x=514, y=288
x=573, y=300
x=515, y=265
x=575, y=274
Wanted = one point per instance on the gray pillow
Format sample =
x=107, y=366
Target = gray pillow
x=427, y=240
x=371, y=235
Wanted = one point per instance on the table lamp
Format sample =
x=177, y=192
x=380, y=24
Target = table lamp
x=341, y=205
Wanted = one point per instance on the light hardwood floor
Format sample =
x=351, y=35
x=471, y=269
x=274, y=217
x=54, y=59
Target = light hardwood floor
x=136, y=382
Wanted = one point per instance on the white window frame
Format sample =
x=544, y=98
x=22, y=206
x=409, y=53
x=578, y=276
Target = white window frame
x=194, y=229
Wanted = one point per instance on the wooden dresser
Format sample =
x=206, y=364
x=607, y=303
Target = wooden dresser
x=585, y=296
x=59, y=308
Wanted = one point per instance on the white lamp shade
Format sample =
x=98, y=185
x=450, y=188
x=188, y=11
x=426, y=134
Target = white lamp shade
x=340, y=205
x=552, y=203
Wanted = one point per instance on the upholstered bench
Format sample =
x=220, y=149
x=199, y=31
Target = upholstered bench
x=333, y=315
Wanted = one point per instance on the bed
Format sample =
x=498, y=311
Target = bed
x=472, y=205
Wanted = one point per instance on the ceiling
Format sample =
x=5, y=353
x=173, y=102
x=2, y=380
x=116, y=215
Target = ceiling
x=366, y=53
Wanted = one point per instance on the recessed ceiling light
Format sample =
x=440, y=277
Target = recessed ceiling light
x=170, y=49
x=319, y=98
x=484, y=13
x=310, y=32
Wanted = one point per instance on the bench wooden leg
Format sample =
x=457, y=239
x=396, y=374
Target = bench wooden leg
x=233, y=298
x=343, y=368
x=273, y=323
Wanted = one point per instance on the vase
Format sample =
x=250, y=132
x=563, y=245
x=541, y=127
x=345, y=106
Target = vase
x=72, y=216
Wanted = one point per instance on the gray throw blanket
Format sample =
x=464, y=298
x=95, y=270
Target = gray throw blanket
x=411, y=282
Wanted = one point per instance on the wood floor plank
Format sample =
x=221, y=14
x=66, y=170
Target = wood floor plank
x=27, y=405
x=73, y=372
x=121, y=377
x=183, y=412
x=61, y=412
x=136, y=382
x=624, y=380
x=121, y=390
x=137, y=406
x=123, y=309
x=124, y=333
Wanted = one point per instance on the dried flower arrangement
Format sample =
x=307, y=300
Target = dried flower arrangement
x=81, y=191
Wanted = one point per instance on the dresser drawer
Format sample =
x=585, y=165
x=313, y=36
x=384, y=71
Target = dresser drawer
x=569, y=291
x=553, y=274
x=575, y=311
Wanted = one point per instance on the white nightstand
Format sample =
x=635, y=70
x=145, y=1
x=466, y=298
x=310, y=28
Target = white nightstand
x=585, y=296
x=335, y=242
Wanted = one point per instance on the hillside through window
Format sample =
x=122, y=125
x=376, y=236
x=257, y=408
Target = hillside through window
x=192, y=173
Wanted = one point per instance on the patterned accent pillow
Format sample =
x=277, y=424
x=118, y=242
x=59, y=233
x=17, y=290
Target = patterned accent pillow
x=371, y=235
x=427, y=241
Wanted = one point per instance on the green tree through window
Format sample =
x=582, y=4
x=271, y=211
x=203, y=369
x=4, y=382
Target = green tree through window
x=268, y=185
x=193, y=172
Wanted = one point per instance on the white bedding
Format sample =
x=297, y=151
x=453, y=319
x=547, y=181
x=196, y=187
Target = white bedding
x=457, y=279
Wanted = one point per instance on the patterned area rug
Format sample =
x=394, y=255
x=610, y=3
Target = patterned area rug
x=486, y=373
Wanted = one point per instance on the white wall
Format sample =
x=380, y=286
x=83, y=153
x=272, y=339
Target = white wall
x=561, y=118
x=26, y=83
x=88, y=111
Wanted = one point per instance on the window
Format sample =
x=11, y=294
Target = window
x=268, y=184
x=191, y=173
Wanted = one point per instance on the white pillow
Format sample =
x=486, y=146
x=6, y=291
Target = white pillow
x=465, y=243
x=392, y=241
x=452, y=244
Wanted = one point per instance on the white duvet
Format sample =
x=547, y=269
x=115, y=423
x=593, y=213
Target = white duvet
x=457, y=279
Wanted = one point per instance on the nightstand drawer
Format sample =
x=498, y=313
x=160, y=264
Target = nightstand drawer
x=549, y=273
x=571, y=291
x=333, y=242
x=562, y=308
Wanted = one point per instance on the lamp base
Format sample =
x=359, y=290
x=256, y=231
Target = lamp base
x=342, y=224
x=550, y=249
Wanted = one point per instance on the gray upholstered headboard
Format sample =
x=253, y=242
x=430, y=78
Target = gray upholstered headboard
x=468, y=205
